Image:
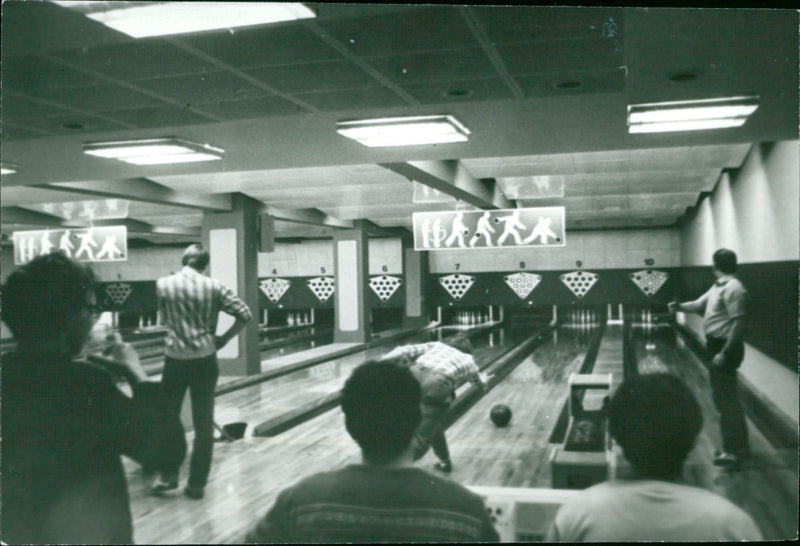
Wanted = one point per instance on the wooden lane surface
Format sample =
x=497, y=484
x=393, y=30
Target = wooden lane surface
x=270, y=399
x=766, y=486
x=517, y=455
x=247, y=475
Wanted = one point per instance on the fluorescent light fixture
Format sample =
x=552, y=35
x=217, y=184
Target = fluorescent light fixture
x=7, y=168
x=406, y=131
x=143, y=19
x=157, y=151
x=690, y=115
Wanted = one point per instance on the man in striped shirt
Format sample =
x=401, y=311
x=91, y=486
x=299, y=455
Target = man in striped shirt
x=190, y=303
x=440, y=368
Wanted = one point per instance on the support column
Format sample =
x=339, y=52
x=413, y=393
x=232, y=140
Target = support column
x=415, y=269
x=232, y=240
x=351, y=269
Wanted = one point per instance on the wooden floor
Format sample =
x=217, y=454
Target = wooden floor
x=248, y=474
x=767, y=486
x=517, y=455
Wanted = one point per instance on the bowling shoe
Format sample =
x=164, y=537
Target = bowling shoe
x=445, y=467
x=728, y=460
x=193, y=492
x=163, y=484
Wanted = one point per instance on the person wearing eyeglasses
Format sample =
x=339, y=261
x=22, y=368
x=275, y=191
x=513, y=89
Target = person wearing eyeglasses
x=65, y=422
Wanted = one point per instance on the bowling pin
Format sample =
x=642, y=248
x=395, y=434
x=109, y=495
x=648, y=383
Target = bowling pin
x=141, y=322
x=290, y=319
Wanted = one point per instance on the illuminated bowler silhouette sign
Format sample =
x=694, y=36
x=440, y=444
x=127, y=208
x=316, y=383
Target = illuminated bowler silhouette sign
x=94, y=244
x=504, y=228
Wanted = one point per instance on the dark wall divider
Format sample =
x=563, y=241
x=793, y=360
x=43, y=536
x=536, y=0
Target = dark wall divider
x=772, y=322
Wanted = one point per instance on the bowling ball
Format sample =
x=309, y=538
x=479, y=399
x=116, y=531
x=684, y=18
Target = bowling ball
x=500, y=415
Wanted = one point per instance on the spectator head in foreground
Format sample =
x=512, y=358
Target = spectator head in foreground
x=381, y=405
x=49, y=304
x=656, y=420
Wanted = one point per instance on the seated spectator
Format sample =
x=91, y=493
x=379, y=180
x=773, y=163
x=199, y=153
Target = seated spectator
x=64, y=421
x=384, y=499
x=441, y=367
x=656, y=420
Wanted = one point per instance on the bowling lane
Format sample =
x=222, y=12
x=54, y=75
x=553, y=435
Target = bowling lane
x=248, y=474
x=766, y=486
x=275, y=397
x=518, y=455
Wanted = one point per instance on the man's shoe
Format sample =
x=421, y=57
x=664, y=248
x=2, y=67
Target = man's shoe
x=164, y=484
x=444, y=467
x=728, y=460
x=193, y=492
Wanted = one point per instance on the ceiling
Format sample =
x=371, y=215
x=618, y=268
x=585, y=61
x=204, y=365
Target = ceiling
x=543, y=92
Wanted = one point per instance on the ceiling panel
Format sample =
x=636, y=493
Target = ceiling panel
x=150, y=58
x=506, y=25
x=250, y=108
x=414, y=30
x=459, y=91
x=164, y=116
x=259, y=46
x=75, y=123
x=572, y=83
x=375, y=97
x=313, y=77
x=204, y=87
x=435, y=66
x=584, y=54
x=32, y=74
x=98, y=98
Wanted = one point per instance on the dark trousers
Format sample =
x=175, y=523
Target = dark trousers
x=437, y=394
x=200, y=377
x=725, y=392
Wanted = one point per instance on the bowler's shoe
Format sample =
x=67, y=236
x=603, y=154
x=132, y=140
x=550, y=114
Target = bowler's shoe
x=727, y=460
x=445, y=467
x=163, y=484
x=194, y=492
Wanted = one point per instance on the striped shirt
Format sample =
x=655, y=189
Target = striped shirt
x=438, y=357
x=189, y=303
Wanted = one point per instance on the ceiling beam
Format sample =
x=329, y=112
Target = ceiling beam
x=453, y=178
x=23, y=216
x=143, y=189
x=375, y=230
x=314, y=217
x=137, y=227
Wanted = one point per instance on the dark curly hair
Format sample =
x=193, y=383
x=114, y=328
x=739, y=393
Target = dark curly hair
x=40, y=297
x=381, y=405
x=656, y=420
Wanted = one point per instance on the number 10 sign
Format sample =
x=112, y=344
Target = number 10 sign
x=503, y=228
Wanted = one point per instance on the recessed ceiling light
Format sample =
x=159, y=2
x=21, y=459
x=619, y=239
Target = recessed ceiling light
x=568, y=85
x=458, y=92
x=158, y=151
x=73, y=125
x=405, y=131
x=7, y=168
x=690, y=115
x=683, y=76
x=143, y=19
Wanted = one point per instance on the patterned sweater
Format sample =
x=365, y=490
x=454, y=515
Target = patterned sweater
x=370, y=503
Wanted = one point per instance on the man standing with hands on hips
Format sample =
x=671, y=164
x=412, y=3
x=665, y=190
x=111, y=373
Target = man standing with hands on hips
x=190, y=304
x=723, y=310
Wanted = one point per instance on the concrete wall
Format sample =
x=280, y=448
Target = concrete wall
x=754, y=211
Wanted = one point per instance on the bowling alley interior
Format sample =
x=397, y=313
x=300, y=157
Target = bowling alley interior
x=541, y=180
